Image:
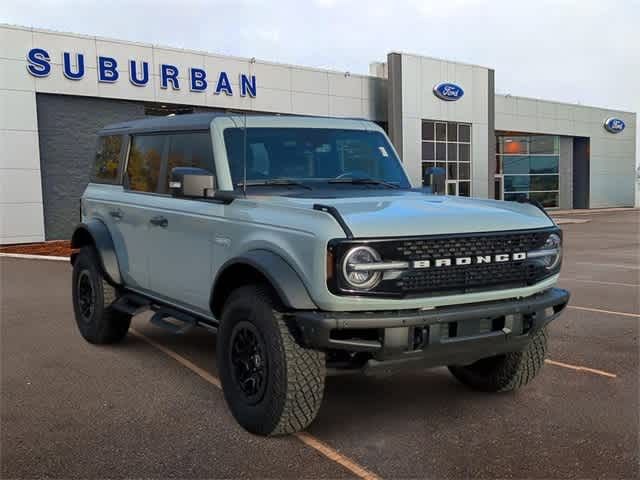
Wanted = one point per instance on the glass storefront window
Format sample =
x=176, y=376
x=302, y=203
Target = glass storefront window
x=452, y=132
x=464, y=152
x=541, y=144
x=516, y=183
x=547, y=199
x=464, y=172
x=515, y=164
x=452, y=152
x=530, y=167
x=464, y=133
x=448, y=146
x=428, y=131
x=428, y=151
x=513, y=145
x=452, y=171
x=544, y=164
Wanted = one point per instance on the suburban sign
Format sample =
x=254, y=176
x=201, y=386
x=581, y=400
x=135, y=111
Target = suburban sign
x=109, y=71
x=614, y=125
x=448, y=91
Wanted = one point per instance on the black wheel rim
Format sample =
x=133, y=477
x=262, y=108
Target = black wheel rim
x=248, y=360
x=86, y=296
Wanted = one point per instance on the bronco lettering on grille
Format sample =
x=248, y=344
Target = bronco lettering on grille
x=478, y=259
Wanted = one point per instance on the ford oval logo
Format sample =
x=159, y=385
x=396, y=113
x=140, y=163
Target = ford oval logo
x=448, y=91
x=614, y=125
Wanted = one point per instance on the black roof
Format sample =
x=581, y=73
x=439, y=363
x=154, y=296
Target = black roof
x=191, y=121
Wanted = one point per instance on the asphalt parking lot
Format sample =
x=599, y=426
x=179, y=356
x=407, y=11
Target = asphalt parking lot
x=149, y=407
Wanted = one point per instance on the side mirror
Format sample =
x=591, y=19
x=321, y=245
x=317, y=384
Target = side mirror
x=191, y=182
x=434, y=178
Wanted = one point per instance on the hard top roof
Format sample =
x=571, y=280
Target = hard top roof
x=202, y=121
x=191, y=121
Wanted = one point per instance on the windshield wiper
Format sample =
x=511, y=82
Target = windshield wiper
x=274, y=182
x=363, y=181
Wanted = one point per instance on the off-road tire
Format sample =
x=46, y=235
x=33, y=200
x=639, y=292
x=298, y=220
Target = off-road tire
x=505, y=372
x=295, y=376
x=103, y=324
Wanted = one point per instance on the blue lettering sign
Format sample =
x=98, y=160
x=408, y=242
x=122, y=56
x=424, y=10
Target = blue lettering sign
x=107, y=70
x=39, y=65
x=169, y=73
x=197, y=78
x=67, y=68
x=223, y=85
x=133, y=73
x=247, y=85
x=449, y=92
x=74, y=68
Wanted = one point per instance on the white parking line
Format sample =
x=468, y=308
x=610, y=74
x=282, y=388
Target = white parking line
x=304, y=437
x=600, y=282
x=609, y=265
x=581, y=369
x=608, y=312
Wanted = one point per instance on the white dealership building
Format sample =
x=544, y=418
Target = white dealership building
x=58, y=89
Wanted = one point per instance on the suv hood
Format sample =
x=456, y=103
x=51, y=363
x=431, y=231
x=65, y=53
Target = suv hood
x=412, y=213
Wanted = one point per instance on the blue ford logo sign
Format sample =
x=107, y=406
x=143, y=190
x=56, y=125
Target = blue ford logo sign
x=614, y=125
x=448, y=91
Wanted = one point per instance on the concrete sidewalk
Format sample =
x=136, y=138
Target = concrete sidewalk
x=590, y=211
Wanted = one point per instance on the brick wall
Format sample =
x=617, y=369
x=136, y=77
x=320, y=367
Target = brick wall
x=67, y=134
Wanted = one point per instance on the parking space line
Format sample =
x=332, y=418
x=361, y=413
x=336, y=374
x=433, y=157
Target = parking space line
x=581, y=369
x=180, y=359
x=609, y=312
x=612, y=265
x=600, y=282
x=332, y=454
x=304, y=437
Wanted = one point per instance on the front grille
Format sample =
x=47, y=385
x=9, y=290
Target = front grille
x=460, y=246
x=456, y=279
x=468, y=278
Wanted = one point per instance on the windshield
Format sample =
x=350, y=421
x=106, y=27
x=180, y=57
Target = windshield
x=313, y=155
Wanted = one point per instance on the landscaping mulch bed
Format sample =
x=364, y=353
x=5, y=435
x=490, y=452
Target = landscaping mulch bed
x=56, y=248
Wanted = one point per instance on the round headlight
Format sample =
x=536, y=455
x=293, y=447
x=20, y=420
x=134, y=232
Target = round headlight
x=354, y=268
x=553, y=243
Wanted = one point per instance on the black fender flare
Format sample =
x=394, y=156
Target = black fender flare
x=283, y=278
x=95, y=232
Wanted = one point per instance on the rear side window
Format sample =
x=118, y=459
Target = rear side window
x=145, y=162
x=107, y=162
x=190, y=149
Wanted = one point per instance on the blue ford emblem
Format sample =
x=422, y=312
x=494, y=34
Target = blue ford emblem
x=614, y=125
x=448, y=91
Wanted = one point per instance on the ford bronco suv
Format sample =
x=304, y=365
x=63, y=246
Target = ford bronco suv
x=301, y=242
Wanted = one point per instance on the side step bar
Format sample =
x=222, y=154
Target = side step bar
x=131, y=303
x=165, y=317
x=159, y=319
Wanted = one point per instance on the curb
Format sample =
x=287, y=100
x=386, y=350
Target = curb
x=562, y=221
x=33, y=257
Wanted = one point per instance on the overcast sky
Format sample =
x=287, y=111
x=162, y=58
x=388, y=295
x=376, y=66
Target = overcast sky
x=584, y=51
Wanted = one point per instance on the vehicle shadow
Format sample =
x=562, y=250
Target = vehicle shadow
x=350, y=401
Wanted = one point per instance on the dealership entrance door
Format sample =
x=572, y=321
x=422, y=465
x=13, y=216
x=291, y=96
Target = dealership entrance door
x=447, y=145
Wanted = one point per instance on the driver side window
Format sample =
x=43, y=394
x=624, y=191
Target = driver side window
x=191, y=149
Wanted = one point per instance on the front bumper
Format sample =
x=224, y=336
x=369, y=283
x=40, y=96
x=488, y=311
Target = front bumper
x=448, y=335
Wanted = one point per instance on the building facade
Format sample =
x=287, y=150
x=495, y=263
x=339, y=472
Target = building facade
x=57, y=90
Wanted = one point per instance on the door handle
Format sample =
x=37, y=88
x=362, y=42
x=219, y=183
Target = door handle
x=159, y=221
x=117, y=214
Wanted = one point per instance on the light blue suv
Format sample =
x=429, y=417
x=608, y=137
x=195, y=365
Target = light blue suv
x=302, y=243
